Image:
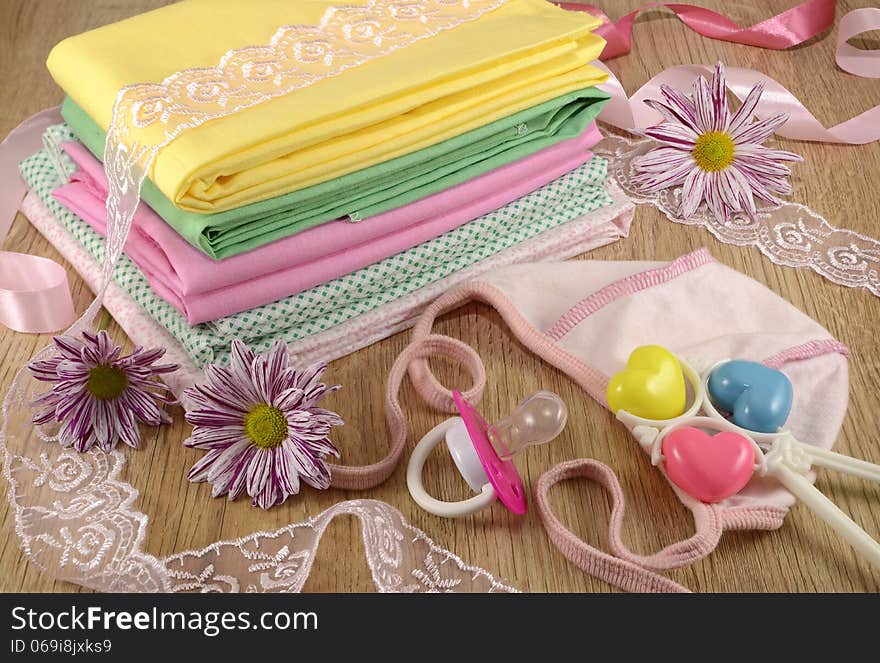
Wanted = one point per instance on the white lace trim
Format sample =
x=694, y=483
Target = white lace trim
x=401, y=558
x=791, y=234
x=76, y=520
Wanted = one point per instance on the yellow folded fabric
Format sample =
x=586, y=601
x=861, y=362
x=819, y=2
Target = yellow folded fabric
x=496, y=61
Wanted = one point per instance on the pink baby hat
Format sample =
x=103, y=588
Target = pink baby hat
x=586, y=317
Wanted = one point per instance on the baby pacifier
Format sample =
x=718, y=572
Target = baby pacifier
x=482, y=453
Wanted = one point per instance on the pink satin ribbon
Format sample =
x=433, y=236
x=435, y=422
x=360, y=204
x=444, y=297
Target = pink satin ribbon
x=790, y=28
x=849, y=58
x=781, y=31
x=34, y=292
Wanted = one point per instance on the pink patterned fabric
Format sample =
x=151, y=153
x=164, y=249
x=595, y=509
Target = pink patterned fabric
x=204, y=289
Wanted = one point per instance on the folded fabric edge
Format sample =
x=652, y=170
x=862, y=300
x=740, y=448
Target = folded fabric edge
x=202, y=306
x=354, y=334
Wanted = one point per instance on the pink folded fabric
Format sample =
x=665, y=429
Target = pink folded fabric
x=204, y=289
x=580, y=235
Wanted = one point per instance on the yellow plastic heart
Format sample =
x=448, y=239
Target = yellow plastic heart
x=651, y=386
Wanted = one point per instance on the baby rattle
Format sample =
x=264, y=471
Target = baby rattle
x=743, y=405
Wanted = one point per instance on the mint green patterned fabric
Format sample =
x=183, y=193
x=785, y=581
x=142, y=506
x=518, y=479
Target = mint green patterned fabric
x=342, y=299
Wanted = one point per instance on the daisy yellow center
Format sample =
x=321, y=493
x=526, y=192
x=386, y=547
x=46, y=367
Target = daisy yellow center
x=106, y=382
x=714, y=151
x=266, y=426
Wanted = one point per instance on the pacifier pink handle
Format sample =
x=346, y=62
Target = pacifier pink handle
x=482, y=453
x=502, y=474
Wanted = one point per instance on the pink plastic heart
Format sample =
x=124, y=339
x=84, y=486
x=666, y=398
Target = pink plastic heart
x=708, y=467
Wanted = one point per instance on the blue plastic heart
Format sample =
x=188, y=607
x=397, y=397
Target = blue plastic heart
x=757, y=397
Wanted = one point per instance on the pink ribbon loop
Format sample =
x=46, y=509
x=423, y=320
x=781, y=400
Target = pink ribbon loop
x=790, y=28
x=849, y=58
x=34, y=292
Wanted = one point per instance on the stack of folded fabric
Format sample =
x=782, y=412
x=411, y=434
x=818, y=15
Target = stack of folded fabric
x=326, y=217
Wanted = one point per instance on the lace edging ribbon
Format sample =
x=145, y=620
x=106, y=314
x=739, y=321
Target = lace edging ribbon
x=401, y=558
x=34, y=291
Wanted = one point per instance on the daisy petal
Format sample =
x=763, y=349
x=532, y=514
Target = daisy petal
x=205, y=437
x=259, y=372
x=670, y=178
x=759, y=131
x=744, y=191
x=238, y=477
x=714, y=199
x=754, y=150
x=757, y=185
x=277, y=365
x=71, y=348
x=127, y=430
x=744, y=113
x=681, y=105
x=199, y=471
x=759, y=162
x=672, y=113
x=259, y=471
x=720, y=108
x=676, y=135
x=728, y=190
x=240, y=359
x=692, y=193
x=703, y=104
x=661, y=158
x=285, y=470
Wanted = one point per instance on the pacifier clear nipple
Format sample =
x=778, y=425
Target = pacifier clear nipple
x=538, y=419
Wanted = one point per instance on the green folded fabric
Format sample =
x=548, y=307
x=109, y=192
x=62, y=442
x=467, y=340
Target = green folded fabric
x=370, y=191
x=325, y=306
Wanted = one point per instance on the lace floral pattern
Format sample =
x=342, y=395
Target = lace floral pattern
x=75, y=518
x=791, y=234
x=401, y=558
x=296, y=56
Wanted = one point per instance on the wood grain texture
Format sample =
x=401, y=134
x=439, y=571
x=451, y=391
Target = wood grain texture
x=839, y=182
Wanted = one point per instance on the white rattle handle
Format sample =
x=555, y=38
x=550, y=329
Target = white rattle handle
x=805, y=491
x=417, y=489
x=788, y=461
x=842, y=463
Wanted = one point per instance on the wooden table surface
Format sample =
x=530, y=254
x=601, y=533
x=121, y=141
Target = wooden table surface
x=839, y=182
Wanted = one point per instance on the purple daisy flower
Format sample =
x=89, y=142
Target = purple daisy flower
x=259, y=421
x=99, y=396
x=713, y=155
